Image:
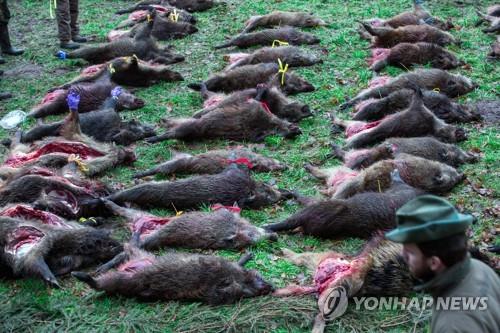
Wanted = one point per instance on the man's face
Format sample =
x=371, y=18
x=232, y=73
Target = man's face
x=418, y=264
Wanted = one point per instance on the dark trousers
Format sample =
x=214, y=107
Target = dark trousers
x=4, y=12
x=67, y=19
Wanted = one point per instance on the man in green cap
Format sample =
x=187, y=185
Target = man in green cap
x=434, y=240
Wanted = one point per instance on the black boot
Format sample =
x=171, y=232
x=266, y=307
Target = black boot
x=5, y=42
x=80, y=39
x=70, y=45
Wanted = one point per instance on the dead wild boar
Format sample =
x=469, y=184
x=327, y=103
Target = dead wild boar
x=414, y=121
x=426, y=147
x=389, y=37
x=358, y=216
x=129, y=71
x=244, y=121
x=418, y=16
x=93, y=95
x=427, y=175
x=441, y=105
x=232, y=185
x=35, y=249
x=250, y=76
x=29, y=213
x=178, y=276
x=452, y=85
x=271, y=98
x=222, y=228
x=48, y=191
x=143, y=45
x=267, y=37
x=73, y=148
x=212, y=162
x=139, y=13
x=405, y=55
x=378, y=270
x=164, y=28
x=280, y=18
x=104, y=125
x=292, y=55
x=492, y=17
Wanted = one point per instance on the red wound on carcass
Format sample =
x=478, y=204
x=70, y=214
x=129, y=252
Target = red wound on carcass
x=92, y=69
x=233, y=209
x=358, y=127
x=76, y=148
x=135, y=265
x=52, y=96
x=341, y=176
x=378, y=54
x=23, y=237
x=241, y=160
x=29, y=213
x=145, y=225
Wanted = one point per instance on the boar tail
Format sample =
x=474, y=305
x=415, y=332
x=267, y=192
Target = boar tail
x=85, y=277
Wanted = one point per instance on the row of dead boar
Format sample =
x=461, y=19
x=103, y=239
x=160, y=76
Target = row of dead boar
x=49, y=176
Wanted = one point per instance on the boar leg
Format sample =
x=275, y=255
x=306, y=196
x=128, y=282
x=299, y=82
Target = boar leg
x=167, y=168
x=85, y=277
x=39, y=267
x=245, y=258
x=117, y=260
x=348, y=188
x=317, y=172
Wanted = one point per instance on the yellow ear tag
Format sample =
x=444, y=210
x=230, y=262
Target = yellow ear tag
x=436, y=90
x=177, y=212
x=111, y=69
x=174, y=16
x=282, y=70
x=149, y=18
x=279, y=43
x=78, y=161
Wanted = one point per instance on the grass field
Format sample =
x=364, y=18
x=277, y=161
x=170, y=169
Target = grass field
x=28, y=305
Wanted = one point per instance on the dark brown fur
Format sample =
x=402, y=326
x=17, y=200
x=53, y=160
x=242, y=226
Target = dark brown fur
x=212, y=162
x=93, y=95
x=405, y=55
x=279, y=18
x=280, y=105
x=249, y=76
x=268, y=36
x=358, y=216
x=291, y=55
x=452, y=85
x=232, y=185
x=495, y=50
x=442, y=107
x=142, y=45
x=389, y=37
x=415, y=121
x=492, y=17
x=430, y=176
x=165, y=29
x=104, y=125
x=219, y=229
x=57, y=251
x=179, y=276
x=425, y=147
x=244, y=121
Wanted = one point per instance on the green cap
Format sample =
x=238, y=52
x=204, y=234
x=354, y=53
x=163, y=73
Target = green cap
x=427, y=218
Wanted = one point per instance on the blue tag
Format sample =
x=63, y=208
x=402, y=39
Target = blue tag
x=61, y=55
x=116, y=92
x=73, y=100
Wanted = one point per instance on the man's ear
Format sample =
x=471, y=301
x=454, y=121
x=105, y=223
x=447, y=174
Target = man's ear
x=435, y=264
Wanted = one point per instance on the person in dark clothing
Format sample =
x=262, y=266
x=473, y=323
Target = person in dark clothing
x=434, y=240
x=5, y=39
x=67, y=24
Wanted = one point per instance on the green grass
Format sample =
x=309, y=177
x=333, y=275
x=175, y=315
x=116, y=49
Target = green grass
x=27, y=305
